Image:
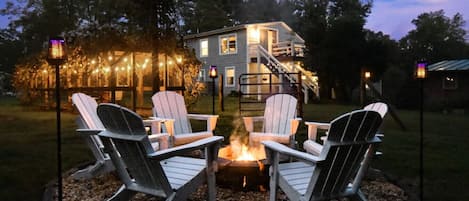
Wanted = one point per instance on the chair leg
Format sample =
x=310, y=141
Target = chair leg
x=98, y=168
x=359, y=196
x=122, y=194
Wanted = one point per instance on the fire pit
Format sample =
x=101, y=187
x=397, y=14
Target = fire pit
x=242, y=168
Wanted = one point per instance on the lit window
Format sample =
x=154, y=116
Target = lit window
x=230, y=76
x=201, y=77
x=450, y=82
x=204, y=48
x=228, y=44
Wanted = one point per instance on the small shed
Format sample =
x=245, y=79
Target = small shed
x=447, y=85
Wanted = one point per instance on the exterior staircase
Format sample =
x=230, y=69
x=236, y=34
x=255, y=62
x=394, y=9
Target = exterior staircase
x=309, y=81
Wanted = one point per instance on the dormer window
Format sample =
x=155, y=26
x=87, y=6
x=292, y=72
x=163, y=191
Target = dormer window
x=228, y=44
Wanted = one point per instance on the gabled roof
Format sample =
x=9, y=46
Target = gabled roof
x=236, y=28
x=450, y=65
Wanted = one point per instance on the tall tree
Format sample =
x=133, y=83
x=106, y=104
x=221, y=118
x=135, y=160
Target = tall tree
x=335, y=39
x=435, y=38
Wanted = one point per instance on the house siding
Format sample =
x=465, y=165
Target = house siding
x=241, y=61
x=214, y=57
x=437, y=98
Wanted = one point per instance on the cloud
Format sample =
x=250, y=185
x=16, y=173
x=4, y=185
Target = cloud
x=394, y=17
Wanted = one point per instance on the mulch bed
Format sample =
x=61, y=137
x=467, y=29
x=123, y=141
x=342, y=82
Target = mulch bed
x=375, y=187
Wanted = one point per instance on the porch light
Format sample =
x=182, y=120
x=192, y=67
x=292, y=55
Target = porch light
x=213, y=73
x=421, y=70
x=367, y=75
x=255, y=35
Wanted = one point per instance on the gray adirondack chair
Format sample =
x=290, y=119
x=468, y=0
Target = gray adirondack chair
x=313, y=147
x=337, y=171
x=279, y=122
x=171, y=105
x=160, y=173
x=88, y=119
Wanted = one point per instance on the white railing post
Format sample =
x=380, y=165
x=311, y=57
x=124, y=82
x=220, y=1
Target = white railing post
x=259, y=89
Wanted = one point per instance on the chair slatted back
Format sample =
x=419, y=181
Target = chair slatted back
x=379, y=107
x=169, y=104
x=279, y=109
x=348, y=140
x=86, y=106
x=121, y=122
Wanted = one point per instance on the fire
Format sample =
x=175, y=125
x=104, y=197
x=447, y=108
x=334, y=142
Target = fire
x=245, y=154
x=238, y=151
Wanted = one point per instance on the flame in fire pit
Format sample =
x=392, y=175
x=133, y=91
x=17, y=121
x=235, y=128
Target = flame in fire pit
x=245, y=155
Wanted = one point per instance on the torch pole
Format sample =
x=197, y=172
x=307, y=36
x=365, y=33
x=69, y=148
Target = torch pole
x=421, y=139
x=213, y=96
x=59, y=143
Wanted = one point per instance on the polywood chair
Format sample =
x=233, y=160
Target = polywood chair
x=279, y=122
x=338, y=170
x=313, y=147
x=171, y=105
x=88, y=119
x=159, y=173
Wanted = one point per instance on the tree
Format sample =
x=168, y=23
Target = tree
x=335, y=42
x=435, y=38
x=93, y=27
x=381, y=52
x=204, y=15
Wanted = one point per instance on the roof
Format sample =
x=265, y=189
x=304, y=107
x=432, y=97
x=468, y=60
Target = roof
x=236, y=28
x=450, y=65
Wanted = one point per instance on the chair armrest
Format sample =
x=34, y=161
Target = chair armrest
x=211, y=120
x=313, y=129
x=249, y=122
x=282, y=149
x=176, y=151
x=89, y=132
x=155, y=124
x=161, y=138
x=294, y=123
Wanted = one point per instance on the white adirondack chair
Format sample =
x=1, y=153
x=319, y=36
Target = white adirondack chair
x=313, y=147
x=88, y=119
x=169, y=104
x=339, y=169
x=162, y=173
x=279, y=121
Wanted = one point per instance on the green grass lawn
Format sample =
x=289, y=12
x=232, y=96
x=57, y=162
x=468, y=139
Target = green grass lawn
x=28, y=157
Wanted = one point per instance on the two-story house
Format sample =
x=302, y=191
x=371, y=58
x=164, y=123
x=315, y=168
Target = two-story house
x=253, y=57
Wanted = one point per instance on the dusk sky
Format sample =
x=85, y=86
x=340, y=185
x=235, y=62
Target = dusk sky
x=392, y=17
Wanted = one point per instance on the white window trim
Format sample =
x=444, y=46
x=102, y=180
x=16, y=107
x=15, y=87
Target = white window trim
x=200, y=47
x=227, y=36
x=226, y=76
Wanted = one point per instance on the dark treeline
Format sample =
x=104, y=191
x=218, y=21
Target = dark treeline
x=338, y=45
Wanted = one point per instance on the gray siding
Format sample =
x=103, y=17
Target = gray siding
x=238, y=60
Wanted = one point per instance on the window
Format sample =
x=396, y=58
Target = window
x=204, y=48
x=228, y=44
x=201, y=77
x=450, y=82
x=230, y=76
